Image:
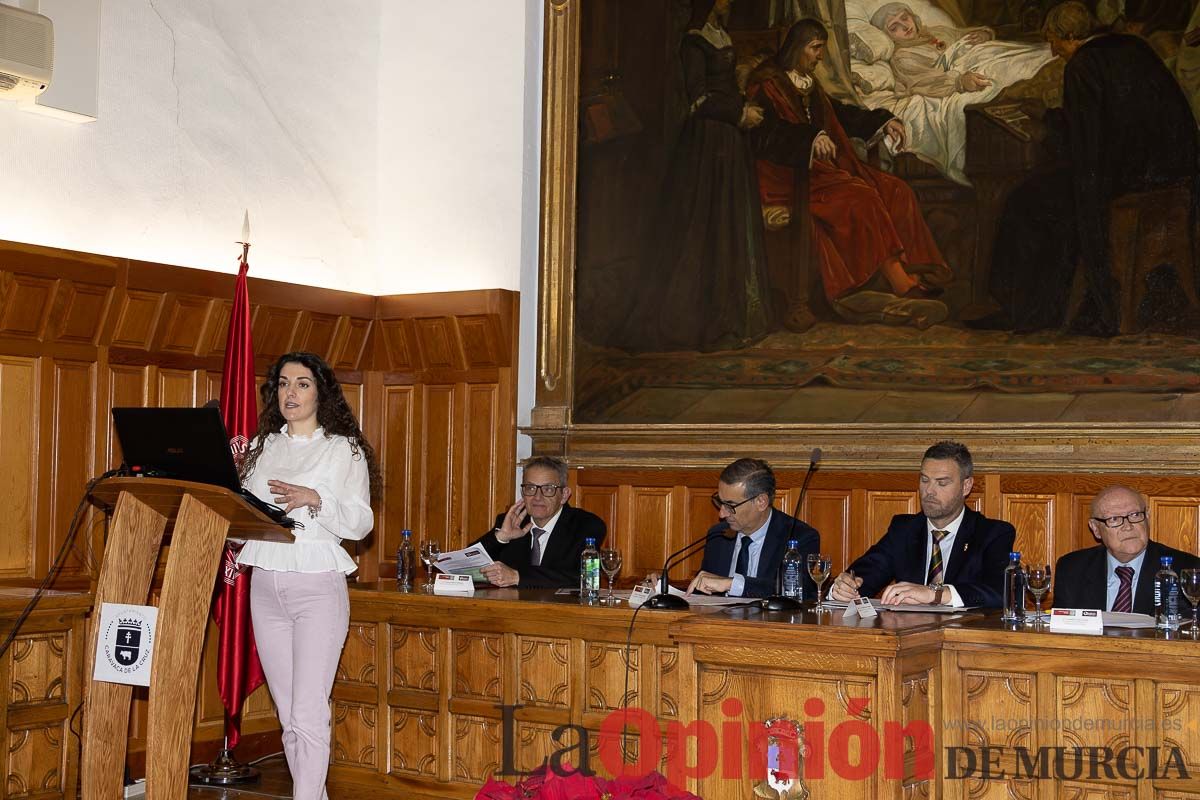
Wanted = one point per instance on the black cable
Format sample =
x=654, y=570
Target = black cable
x=625, y=695
x=59, y=560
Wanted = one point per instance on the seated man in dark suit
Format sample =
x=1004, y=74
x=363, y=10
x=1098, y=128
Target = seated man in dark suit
x=537, y=543
x=948, y=554
x=749, y=565
x=1118, y=573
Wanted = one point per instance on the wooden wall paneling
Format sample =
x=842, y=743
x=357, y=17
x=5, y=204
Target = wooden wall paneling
x=186, y=322
x=602, y=501
x=316, y=334
x=1175, y=522
x=176, y=388
x=399, y=353
x=71, y=457
x=698, y=516
x=440, y=439
x=28, y=300
x=649, y=527
x=137, y=318
x=482, y=422
x=274, y=329
x=437, y=341
x=400, y=454
x=829, y=512
x=80, y=312
x=20, y=419
x=1033, y=515
x=127, y=386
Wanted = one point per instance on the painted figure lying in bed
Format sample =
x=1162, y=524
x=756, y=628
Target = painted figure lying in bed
x=931, y=61
x=927, y=74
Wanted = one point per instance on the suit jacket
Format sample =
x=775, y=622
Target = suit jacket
x=977, y=560
x=560, y=561
x=1081, y=577
x=718, y=554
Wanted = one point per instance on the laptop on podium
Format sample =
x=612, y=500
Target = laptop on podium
x=187, y=444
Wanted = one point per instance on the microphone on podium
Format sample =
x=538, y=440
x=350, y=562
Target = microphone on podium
x=777, y=601
x=664, y=599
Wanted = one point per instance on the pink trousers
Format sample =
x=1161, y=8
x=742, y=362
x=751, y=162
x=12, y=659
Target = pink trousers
x=300, y=623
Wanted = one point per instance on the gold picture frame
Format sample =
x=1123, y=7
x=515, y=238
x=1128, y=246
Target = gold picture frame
x=1144, y=445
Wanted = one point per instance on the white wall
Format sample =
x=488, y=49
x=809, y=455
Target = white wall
x=452, y=135
x=209, y=107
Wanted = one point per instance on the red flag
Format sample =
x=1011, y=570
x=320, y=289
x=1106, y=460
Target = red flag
x=238, y=670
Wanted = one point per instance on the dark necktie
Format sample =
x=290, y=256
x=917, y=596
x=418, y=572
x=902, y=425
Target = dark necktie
x=535, y=556
x=1124, y=601
x=743, y=556
x=935, y=558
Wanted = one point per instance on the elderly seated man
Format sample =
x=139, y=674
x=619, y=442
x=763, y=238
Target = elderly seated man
x=1118, y=573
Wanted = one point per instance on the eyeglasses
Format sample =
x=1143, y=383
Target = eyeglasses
x=1116, y=522
x=718, y=503
x=545, y=489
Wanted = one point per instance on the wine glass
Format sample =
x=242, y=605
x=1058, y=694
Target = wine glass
x=1037, y=580
x=1189, y=584
x=819, y=566
x=610, y=562
x=430, y=550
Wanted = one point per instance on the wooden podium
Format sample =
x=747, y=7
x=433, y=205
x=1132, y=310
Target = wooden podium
x=202, y=516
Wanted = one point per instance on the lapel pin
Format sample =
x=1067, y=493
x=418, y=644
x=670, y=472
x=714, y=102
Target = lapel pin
x=966, y=545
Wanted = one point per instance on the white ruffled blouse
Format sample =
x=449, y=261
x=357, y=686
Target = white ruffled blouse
x=339, y=476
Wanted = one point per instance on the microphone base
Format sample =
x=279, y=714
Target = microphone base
x=778, y=602
x=667, y=602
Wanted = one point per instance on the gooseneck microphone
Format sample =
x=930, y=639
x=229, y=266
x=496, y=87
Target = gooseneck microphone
x=664, y=599
x=778, y=602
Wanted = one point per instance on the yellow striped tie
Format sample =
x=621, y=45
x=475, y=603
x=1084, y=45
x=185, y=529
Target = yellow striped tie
x=935, y=558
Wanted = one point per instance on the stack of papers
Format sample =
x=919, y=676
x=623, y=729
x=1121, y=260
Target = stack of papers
x=468, y=561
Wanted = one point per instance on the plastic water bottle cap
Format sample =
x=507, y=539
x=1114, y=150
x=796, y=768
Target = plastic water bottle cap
x=1166, y=561
x=793, y=544
x=589, y=542
x=406, y=534
x=1014, y=556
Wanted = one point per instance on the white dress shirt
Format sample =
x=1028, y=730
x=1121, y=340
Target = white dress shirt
x=756, y=545
x=328, y=466
x=947, y=547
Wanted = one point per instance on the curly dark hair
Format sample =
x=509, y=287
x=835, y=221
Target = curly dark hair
x=333, y=415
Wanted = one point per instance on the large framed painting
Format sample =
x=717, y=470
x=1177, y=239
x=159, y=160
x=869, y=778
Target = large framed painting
x=860, y=223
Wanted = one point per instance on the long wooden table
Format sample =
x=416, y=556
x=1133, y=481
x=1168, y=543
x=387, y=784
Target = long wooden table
x=434, y=695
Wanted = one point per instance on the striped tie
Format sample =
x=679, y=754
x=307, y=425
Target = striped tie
x=935, y=558
x=1124, y=601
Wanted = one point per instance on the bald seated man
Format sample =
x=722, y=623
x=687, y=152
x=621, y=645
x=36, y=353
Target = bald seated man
x=1118, y=573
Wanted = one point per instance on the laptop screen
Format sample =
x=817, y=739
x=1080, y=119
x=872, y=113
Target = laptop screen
x=188, y=444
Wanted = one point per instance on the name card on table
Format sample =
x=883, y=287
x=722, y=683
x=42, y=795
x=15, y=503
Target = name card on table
x=456, y=585
x=639, y=595
x=861, y=608
x=1076, y=620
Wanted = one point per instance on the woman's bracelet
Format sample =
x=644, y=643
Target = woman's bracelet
x=313, y=511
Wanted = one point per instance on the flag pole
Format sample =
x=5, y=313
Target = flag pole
x=225, y=769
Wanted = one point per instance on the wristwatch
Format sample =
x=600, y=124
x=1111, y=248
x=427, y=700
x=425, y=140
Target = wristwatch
x=939, y=589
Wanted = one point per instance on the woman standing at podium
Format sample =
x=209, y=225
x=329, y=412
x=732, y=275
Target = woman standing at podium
x=310, y=457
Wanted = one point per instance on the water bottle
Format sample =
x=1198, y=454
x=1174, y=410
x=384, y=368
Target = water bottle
x=1014, y=590
x=405, y=561
x=1166, y=596
x=792, y=570
x=589, y=573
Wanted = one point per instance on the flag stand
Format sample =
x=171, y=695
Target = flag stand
x=225, y=770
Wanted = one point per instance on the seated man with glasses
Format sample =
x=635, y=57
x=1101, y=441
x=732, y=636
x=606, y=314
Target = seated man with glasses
x=1118, y=573
x=538, y=541
x=745, y=561
x=946, y=555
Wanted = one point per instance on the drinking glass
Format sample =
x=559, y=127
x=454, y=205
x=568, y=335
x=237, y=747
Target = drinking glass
x=1037, y=579
x=819, y=566
x=430, y=550
x=1189, y=584
x=610, y=562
